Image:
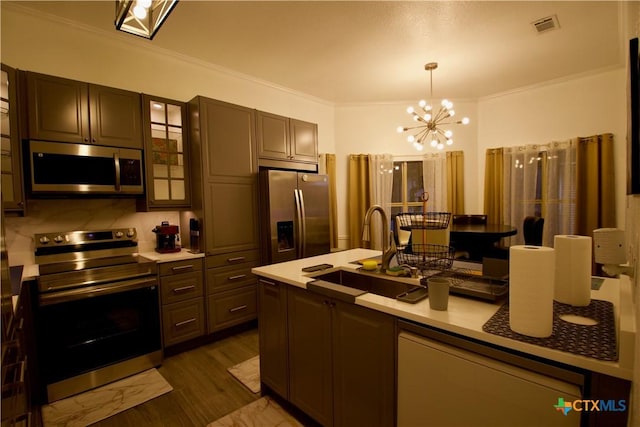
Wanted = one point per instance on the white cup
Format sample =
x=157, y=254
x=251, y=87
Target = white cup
x=438, y=288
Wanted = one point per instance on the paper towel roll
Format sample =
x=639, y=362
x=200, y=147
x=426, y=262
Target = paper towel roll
x=573, y=269
x=531, y=275
x=609, y=246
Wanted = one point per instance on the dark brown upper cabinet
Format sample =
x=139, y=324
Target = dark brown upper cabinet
x=286, y=143
x=12, y=189
x=166, y=154
x=67, y=110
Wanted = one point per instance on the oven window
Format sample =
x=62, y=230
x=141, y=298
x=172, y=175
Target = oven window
x=68, y=169
x=82, y=335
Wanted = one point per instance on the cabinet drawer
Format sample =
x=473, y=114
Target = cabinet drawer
x=181, y=287
x=183, y=321
x=224, y=279
x=178, y=267
x=230, y=308
x=232, y=258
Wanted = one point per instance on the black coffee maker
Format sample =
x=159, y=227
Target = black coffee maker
x=167, y=238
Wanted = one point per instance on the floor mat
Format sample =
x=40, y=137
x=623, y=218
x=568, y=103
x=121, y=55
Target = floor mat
x=102, y=402
x=262, y=412
x=248, y=373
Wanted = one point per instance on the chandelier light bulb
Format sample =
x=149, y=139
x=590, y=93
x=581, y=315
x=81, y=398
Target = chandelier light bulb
x=145, y=3
x=429, y=125
x=140, y=12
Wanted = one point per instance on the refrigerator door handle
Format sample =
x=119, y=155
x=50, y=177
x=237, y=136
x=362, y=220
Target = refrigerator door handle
x=300, y=238
x=303, y=222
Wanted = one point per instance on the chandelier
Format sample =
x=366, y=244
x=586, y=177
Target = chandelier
x=142, y=17
x=430, y=123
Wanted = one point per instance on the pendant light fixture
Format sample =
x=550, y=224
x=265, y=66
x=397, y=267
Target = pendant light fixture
x=430, y=123
x=142, y=17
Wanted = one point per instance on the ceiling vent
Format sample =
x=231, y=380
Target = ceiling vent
x=546, y=24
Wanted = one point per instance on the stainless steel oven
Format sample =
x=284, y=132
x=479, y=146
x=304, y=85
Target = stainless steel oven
x=98, y=316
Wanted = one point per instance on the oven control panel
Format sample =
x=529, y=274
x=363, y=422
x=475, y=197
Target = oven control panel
x=78, y=239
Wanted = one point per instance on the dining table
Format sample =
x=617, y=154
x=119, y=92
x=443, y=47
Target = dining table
x=479, y=240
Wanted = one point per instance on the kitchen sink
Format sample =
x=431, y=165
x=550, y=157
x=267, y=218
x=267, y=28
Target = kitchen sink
x=373, y=284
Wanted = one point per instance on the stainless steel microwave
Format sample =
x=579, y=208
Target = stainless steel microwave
x=66, y=168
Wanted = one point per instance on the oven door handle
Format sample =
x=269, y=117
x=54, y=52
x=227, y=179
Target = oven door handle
x=96, y=291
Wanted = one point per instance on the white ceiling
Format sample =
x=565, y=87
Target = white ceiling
x=361, y=52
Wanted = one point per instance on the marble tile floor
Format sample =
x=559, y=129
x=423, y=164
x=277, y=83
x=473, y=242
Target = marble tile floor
x=260, y=413
x=248, y=373
x=103, y=402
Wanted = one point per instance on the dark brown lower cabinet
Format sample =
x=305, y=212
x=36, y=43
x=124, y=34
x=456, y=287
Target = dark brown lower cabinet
x=341, y=361
x=272, y=327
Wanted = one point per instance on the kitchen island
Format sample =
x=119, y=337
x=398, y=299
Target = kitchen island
x=464, y=319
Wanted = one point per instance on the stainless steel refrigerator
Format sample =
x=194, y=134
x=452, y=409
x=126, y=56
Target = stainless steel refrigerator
x=295, y=215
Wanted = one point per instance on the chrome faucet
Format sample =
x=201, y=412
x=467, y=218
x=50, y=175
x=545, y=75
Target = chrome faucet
x=388, y=250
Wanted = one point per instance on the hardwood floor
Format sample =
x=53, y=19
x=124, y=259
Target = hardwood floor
x=203, y=390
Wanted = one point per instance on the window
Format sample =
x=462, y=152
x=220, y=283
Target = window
x=408, y=186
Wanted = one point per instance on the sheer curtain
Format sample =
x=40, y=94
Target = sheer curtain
x=434, y=177
x=522, y=168
x=381, y=187
x=540, y=180
x=559, y=197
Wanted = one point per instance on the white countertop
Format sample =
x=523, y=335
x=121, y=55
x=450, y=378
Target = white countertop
x=466, y=316
x=171, y=256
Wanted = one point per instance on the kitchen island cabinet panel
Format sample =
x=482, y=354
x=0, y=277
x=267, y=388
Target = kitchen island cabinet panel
x=364, y=366
x=272, y=329
x=310, y=368
x=341, y=361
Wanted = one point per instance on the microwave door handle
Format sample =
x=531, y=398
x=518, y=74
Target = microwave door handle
x=303, y=221
x=298, y=240
x=116, y=163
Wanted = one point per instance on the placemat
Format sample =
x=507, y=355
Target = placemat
x=596, y=341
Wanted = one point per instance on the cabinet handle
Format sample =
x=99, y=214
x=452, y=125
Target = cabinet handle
x=182, y=267
x=236, y=259
x=86, y=140
x=185, y=322
x=266, y=282
x=233, y=310
x=237, y=277
x=184, y=288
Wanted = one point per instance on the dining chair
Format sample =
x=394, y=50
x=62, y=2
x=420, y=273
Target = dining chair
x=460, y=219
x=532, y=229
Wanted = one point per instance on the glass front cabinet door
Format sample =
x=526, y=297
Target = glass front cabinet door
x=166, y=154
x=12, y=191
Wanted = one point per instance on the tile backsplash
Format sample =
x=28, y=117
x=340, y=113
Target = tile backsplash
x=79, y=214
